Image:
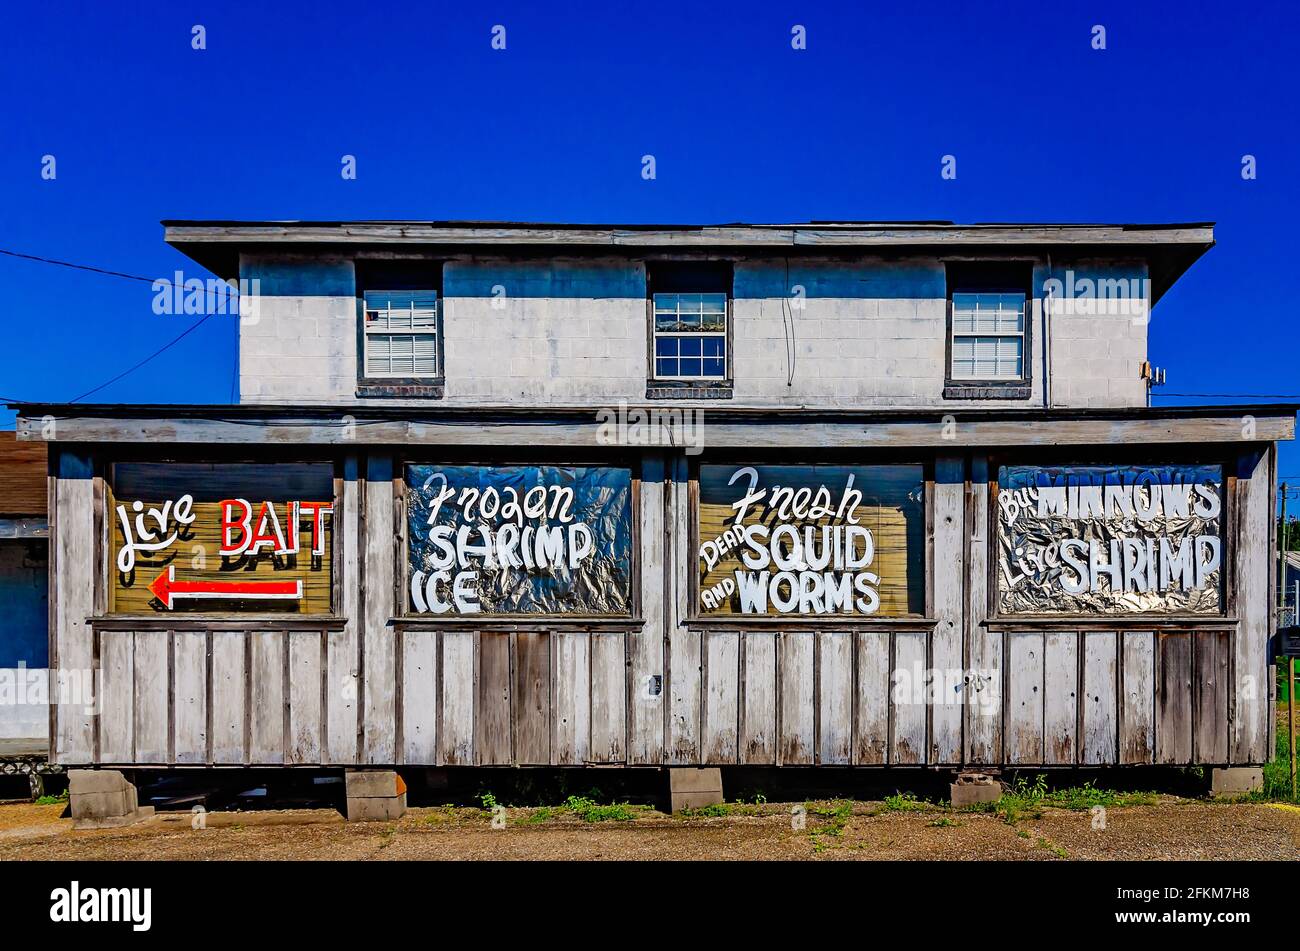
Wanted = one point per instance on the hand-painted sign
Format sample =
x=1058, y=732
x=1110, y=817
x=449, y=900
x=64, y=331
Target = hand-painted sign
x=506, y=540
x=1110, y=539
x=811, y=540
x=192, y=537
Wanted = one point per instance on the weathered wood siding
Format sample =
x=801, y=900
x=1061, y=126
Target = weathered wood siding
x=362, y=688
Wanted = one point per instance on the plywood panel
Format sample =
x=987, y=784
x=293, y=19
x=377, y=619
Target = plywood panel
x=871, y=730
x=758, y=712
x=379, y=672
x=1060, y=697
x=532, y=698
x=1174, y=699
x=456, y=725
x=572, y=714
x=190, y=696
x=798, y=699
x=1137, y=701
x=117, y=697
x=907, y=746
x=835, y=698
x=608, y=698
x=420, y=698
x=722, y=697
x=1025, y=708
x=645, y=648
x=304, y=697
x=949, y=574
x=267, y=699
x=492, y=716
x=1100, y=700
x=983, y=718
x=228, y=697
x=1212, y=692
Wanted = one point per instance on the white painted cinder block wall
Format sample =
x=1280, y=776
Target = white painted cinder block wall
x=558, y=341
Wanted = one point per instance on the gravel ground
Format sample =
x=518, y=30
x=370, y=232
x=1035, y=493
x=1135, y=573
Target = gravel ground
x=1169, y=829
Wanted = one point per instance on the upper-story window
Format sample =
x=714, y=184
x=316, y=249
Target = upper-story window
x=690, y=329
x=399, y=339
x=988, y=330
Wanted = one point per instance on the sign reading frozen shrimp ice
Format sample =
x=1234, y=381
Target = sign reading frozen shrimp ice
x=1110, y=539
x=811, y=540
x=506, y=540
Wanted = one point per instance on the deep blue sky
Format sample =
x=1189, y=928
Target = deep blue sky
x=743, y=129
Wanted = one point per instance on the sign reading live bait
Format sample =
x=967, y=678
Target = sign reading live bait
x=505, y=540
x=811, y=540
x=237, y=538
x=1110, y=539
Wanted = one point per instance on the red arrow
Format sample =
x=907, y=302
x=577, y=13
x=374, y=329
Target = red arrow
x=165, y=587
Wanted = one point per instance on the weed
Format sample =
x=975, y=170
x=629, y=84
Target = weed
x=53, y=800
x=588, y=810
x=944, y=821
x=905, y=802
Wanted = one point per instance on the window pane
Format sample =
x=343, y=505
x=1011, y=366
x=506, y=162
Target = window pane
x=713, y=368
x=665, y=346
x=665, y=367
x=690, y=346
x=981, y=312
x=401, y=310
x=714, y=346
x=690, y=312
x=690, y=366
x=987, y=358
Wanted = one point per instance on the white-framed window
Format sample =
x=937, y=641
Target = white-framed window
x=690, y=336
x=988, y=335
x=401, y=334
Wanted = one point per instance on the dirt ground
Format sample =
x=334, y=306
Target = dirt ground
x=1169, y=829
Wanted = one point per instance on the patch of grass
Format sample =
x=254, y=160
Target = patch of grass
x=589, y=810
x=53, y=800
x=835, y=817
x=539, y=815
x=1026, y=800
x=1052, y=847
x=1277, y=774
x=943, y=822
x=720, y=809
x=1082, y=798
x=905, y=802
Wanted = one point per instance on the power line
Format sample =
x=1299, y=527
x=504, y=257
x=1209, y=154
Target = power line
x=195, y=326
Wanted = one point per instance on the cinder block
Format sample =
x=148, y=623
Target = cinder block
x=113, y=822
x=376, y=808
x=102, y=805
x=1236, y=780
x=96, y=781
x=968, y=794
x=374, y=783
x=693, y=788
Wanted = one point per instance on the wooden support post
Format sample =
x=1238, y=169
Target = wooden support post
x=1290, y=717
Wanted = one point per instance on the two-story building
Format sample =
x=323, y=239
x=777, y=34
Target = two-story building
x=685, y=497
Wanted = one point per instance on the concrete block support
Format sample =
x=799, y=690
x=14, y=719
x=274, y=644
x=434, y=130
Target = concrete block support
x=103, y=799
x=375, y=795
x=693, y=788
x=972, y=788
x=1236, y=781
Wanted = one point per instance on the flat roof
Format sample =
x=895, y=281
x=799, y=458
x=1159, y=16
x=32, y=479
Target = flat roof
x=1168, y=249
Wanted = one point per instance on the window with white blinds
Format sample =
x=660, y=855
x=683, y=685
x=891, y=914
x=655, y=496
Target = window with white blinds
x=401, y=334
x=988, y=335
x=690, y=336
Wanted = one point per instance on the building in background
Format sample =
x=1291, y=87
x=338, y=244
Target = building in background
x=835, y=495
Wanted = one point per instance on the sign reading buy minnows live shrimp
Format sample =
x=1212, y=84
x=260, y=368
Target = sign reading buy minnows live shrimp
x=221, y=538
x=811, y=540
x=503, y=540
x=1110, y=539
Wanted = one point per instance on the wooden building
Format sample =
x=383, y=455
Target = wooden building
x=839, y=495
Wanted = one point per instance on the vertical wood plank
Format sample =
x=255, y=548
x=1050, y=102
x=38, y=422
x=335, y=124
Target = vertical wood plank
x=73, y=546
x=907, y=744
x=609, y=662
x=1174, y=699
x=456, y=726
x=492, y=719
x=117, y=697
x=532, y=698
x=983, y=718
x=420, y=698
x=151, y=683
x=645, y=648
x=1252, y=686
x=190, y=696
x=266, y=705
x=1100, y=703
x=684, y=646
x=1211, y=692
x=1060, y=698
x=228, y=706
x=798, y=700
x=949, y=573
x=572, y=714
x=379, y=722
x=835, y=698
x=1137, y=705
x=342, y=650
x=871, y=730
x=1025, y=714
x=722, y=697
x=758, y=713
x=304, y=697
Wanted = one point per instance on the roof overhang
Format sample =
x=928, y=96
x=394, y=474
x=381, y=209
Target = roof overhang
x=1168, y=249
x=588, y=427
